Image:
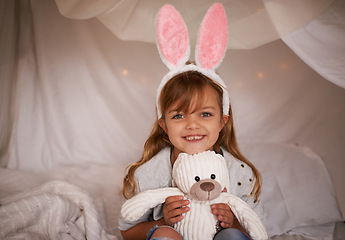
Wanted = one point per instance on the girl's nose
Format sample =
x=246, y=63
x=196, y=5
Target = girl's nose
x=192, y=123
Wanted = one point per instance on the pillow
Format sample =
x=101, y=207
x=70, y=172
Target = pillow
x=296, y=191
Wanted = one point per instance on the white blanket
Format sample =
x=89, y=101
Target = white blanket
x=54, y=210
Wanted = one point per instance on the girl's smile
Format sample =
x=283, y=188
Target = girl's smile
x=194, y=138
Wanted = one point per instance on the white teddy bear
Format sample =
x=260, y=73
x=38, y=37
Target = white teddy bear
x=200, y=178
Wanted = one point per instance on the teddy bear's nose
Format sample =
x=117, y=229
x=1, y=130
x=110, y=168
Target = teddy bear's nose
x=207, y=186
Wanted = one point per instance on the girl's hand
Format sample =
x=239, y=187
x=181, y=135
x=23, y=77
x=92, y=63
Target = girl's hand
x=224, y=214
x=173, y=209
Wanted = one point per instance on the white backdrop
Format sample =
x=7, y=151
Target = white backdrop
x=72, y=93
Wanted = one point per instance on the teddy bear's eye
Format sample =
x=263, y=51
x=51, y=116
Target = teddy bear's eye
x=213, y=176
x=197, y=178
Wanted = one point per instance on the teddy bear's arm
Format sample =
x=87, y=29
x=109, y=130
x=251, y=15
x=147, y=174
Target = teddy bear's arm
x=138, y=205
x=248, y=219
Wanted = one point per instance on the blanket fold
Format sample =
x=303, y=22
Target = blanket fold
x=54, y=210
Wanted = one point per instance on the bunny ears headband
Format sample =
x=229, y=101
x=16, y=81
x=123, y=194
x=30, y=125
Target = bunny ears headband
x=174, y=48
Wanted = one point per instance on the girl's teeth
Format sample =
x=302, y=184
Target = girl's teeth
x=191, y=138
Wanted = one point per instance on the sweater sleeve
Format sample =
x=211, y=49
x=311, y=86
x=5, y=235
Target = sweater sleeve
x=242, y=183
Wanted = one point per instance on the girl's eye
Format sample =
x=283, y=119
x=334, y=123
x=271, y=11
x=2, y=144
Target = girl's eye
x=206, y=114
x=178, y=116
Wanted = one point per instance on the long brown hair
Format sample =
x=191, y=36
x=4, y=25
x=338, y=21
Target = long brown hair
x=181, y=90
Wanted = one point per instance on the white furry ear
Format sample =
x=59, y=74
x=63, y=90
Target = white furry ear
x=172, y=37
x=212, y=38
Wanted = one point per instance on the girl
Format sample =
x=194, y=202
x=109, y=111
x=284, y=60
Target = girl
x=192, y=121
x=193, y=115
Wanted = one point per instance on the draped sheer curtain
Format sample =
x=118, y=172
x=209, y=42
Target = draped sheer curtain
x=314, y=30
x=74, y=92
x=321, y=43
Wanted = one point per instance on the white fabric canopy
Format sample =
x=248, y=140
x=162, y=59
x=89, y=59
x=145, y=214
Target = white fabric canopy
x=314, y=30
x=321, y=43
x=73, y=93
x=251, y=23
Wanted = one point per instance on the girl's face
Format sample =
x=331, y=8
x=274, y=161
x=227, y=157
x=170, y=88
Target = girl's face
x=194, y=131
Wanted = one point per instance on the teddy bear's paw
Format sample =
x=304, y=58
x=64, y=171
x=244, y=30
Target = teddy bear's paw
x=137, y=206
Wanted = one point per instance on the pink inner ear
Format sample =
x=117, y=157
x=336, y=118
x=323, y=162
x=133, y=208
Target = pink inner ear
x=172, y=35
x=213, y=37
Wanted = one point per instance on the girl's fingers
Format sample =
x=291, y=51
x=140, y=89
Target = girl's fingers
x=221, y=209
x=221, y=206
x=225, y=220
x=176, y=204
x=178, y=211
x=225, y=225
x=173, y=199
x=174, y=207
x=176, y=218
x=224, y=214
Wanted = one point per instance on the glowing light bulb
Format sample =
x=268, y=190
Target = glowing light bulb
x=260, y=75
x=283, y=66
x=124, y=72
